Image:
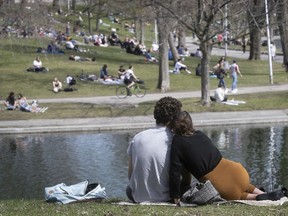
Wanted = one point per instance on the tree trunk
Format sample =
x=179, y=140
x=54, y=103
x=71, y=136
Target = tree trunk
x=23, y=4
x=89, y=22
x=142, y=32
x=163, y=79
x=56, y=4
x=255, y=43
x=98, y=16
x=282, y=18
x=206, y=48
x=181, y=37
x=256, y=20
x=172, y=46
x=73, y=5
x=97, y=22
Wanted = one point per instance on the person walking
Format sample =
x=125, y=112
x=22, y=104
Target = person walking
x=243, y=44
x=234, y=72
x=220, y=72
x=273, y=50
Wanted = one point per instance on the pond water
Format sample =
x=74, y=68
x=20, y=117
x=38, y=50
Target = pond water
x=31, y=162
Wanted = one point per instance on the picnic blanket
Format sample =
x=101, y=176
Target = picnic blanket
x=40, y=109
x=233, y=102
x=263, y=202
x=280, y=202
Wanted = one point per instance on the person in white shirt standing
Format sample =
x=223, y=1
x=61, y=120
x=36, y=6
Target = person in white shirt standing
x=273, y=50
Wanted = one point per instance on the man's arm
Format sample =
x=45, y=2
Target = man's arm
x=238, y=71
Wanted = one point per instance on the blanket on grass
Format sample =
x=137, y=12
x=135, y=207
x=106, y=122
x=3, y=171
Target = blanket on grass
x=233, y=102
x=280, y=202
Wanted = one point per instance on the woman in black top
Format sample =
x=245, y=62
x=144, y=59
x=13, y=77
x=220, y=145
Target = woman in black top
x=194, y=151
x=10, y=103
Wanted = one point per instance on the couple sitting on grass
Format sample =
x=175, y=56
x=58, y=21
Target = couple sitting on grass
x=163, y=159
x=21, y=102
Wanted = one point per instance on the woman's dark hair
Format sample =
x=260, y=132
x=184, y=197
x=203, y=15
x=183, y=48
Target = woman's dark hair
x=166, y=110
x=11, y=94
x=183, y=125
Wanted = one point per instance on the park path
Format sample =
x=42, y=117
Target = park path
x=193, y=46
x=114, y=101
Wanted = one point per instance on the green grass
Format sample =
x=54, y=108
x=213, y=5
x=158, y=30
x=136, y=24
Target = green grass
x=36, y=208
x=17, y=54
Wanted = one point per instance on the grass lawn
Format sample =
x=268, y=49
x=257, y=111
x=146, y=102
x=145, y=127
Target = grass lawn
x=37, y=207
x=17, y=54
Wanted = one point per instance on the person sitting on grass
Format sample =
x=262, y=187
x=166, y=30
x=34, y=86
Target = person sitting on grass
x=121, y=72
x=148, y=156
x=23, y=103
x=130, y=79
x=70, y=80
x=180, y=66
x=57, y=85
x=37, y=66
x=149, y=57
x=219, y=94
x=10, y=103
x=104, y=73
x=194, y=152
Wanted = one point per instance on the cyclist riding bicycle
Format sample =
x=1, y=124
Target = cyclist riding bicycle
x=130, y=79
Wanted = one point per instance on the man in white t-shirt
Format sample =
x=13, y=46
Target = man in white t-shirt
x=129, y=79
x=149, y=156
x=219, y=94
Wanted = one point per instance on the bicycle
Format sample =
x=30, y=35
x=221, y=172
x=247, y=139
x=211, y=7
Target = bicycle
x=138, y=89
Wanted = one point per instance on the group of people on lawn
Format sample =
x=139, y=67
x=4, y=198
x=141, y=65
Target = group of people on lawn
x=20, y=102
x=124, y=76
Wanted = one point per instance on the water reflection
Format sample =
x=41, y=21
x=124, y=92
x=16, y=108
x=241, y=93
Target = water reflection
x=30, y=162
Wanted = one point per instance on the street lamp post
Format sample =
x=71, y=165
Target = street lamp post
x=269, y=43
x=225, y=30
